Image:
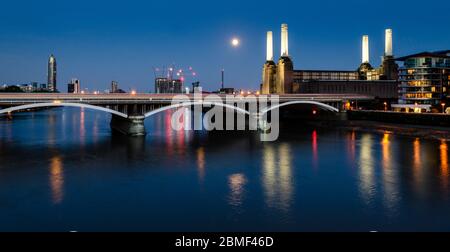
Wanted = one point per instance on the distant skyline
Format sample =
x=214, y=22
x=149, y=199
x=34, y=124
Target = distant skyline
x=101, y=41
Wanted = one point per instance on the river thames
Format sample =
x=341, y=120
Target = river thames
x=63, y=170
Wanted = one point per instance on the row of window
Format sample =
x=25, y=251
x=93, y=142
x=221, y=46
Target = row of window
x=421, y=83
x=423, y=89
x=326, y=75
x=345, y=88
x=405, y=71
x=427, y=62
x=422, y=78
x=418, y=96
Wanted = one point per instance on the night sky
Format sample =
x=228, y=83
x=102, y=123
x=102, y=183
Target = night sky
x=101, y=41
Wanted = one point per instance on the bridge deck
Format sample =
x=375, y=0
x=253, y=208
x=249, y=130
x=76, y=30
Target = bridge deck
x=21, y=98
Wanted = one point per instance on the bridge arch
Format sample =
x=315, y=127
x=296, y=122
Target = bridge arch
x=61, y=104
x=320, y=104
x=186, y=104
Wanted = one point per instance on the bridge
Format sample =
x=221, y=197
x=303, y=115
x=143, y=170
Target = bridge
x=130, y=110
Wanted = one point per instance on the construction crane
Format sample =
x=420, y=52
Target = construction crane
x=171, y=72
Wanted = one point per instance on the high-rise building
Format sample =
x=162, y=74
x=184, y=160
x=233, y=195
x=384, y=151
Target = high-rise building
x=424, y=81
x=168, y=86
x=77, y=85
x=74, y=86
x=70, y=88
x=51, y=74
x=114, y=87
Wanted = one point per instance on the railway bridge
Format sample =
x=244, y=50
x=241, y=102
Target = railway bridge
x=130, y=110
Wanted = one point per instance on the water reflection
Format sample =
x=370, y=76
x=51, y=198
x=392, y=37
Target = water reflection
x=417, y=155
x=389, y=170
x=168, y=133
x=315, y=149
x=56, y=179
x=237, y=184
x=82, y=124
x=444, y=166
x=95, y=128
x=390, y=179
x=176, y=140
x=201, y=163
x=351, y=146
x=418, y=171
x=367, y=185
x=277, y=176
x=52, y=126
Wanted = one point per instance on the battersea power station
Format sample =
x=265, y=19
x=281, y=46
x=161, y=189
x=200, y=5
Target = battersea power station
x=282, y=78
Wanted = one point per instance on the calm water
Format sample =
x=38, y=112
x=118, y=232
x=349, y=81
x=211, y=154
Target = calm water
x=62, y=170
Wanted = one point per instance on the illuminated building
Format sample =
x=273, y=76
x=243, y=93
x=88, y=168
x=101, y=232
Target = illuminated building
x=281, y=78
x=32, y=87
x=168, y=86
x=424, y=80
x=51, y=74
x=269, y=69
x=278, y=78
x=388, y=69
x=285, y=67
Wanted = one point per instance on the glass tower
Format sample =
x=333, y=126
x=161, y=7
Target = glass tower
x=51, y=75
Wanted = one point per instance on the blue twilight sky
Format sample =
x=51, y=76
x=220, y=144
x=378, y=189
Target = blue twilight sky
x=100, y=41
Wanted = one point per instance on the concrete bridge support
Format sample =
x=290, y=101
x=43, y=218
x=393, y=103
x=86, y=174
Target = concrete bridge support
x=131, y=126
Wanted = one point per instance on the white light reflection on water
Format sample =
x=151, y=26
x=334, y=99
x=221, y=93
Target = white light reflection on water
x=277, y=176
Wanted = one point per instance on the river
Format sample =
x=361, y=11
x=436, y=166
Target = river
x=63, y=170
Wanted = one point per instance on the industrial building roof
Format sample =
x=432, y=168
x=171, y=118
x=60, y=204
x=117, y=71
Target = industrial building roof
x=437, y=54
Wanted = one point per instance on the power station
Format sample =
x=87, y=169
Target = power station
x=282, y=78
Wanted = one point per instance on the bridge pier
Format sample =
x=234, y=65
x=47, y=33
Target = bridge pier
x=261, y=123
x=131, y=126
x=263, y=126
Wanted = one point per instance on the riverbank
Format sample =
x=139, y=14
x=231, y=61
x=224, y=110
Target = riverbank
x=425, y=132
x=437, y=133
x=425, y=119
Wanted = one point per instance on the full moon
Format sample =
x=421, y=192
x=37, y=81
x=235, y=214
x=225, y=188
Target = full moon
x=235, y=42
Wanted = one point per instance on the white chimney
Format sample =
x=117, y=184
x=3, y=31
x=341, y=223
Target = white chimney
x=365, y=49
x=269, y=46
x=388, y=51
x=284, y=40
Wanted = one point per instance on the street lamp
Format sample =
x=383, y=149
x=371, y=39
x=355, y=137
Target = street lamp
x=443, y=108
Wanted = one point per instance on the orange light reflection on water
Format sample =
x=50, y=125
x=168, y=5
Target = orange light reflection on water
x=56, y=179
x=444, y=165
